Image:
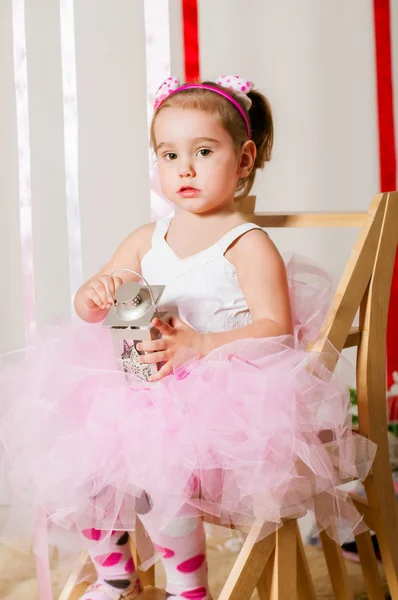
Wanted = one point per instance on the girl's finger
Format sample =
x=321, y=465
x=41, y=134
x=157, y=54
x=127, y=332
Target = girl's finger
x=152, y=346
x=154, y=357
x=108, y=287
x=163, y=327
x=99, y=287
x=163, y=372
x=111, y=285
x=176, y=322
x=95, y=298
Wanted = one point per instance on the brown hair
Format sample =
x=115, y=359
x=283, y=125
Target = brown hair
x=259, y=116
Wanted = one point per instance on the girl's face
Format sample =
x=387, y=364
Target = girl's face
x=199, y=167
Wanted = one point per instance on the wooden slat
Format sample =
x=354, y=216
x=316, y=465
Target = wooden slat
x=74, y=593
x=305, y=586
x=279, y=579
x=363, y=507
x=216, y=521
x=336, y=567
x=308, y=219
x=147, y=577
x=284, y=573
x=354, y=282
x=353, y=338
x=152, y=593
x=263, y=585
x=370, y=569
x=249, y=565
x=371, y=370
x=84, y=568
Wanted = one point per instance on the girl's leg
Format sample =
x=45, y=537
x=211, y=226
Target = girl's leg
x=182, y=547
x=111, y=556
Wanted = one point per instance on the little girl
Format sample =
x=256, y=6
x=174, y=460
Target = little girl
x=231, y=423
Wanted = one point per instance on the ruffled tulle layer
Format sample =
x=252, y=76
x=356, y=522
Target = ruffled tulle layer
x=258, y=429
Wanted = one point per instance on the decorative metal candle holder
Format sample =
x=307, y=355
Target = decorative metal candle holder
x=130, y=322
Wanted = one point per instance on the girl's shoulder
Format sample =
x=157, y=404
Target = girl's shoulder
x=253, y=245
x=244, y=234
x=141, y=239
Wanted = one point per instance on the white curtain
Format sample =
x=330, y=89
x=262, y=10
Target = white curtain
x=314, y=60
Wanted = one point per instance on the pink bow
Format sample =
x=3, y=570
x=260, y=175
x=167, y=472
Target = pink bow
x=164, y=90
x=235, y=83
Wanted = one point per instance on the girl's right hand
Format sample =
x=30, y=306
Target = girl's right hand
x=99, y=291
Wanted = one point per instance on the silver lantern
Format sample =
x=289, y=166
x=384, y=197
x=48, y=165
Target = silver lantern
x=130, y=322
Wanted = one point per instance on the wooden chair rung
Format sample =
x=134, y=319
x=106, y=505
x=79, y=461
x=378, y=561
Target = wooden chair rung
x=353, y=338
x=309, y=219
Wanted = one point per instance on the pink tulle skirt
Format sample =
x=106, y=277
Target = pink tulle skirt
x=258, y=429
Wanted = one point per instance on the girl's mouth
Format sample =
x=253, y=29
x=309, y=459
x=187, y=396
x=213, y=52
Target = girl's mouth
x=188, y=191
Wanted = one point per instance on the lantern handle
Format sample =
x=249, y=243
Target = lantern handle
x=141, y=277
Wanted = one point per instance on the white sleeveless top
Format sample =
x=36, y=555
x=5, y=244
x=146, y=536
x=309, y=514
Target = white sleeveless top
x=204, y=287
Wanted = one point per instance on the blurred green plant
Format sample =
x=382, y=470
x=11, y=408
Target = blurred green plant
x=392, y=427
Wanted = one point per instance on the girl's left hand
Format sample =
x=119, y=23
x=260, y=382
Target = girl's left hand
x=175, y=336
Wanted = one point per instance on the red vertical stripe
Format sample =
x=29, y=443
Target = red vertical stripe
x=388, y=162
x=191, y=40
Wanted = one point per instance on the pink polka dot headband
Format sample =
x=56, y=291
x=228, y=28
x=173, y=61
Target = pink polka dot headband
x=239, y=86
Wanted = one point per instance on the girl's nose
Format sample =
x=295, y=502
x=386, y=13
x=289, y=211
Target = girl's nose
x=186, y=170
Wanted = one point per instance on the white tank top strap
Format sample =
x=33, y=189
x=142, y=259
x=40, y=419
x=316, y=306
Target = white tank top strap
x=159, y=232
x=225, y=242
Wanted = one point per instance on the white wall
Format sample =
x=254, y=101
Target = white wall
x=11, y=309
x=314, y=60
x=315, y=63
x=113, y=171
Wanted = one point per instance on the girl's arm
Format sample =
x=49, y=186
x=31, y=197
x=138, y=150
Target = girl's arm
x=262, y=278
x=92, y=301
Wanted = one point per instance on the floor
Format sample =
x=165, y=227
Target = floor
x=18, y=572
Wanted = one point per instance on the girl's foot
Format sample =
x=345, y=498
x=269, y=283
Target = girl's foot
x=111, y=556
x=101, y=590
x=181, y=545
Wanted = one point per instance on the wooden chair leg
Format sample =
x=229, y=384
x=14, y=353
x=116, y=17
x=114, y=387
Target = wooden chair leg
x=370, y=569
x=279, y=578
x=305, y=586
x=147, y=577
x=249, y=565
x=84, y=568
x=379, y=492
x=76, y=593
x=264, y=585
x=336, y=567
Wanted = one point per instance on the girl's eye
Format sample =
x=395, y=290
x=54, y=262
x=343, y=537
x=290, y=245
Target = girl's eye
x=204, y=152
x=170, y=156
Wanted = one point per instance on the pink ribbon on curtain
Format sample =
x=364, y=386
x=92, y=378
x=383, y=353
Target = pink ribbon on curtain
x=25, y=191
x=157, y=46
x=41, y=551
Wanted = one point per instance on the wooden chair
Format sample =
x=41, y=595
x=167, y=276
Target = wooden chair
x=277, y=565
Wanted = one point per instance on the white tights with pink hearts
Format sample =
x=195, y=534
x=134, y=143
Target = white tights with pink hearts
x=181, y=545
